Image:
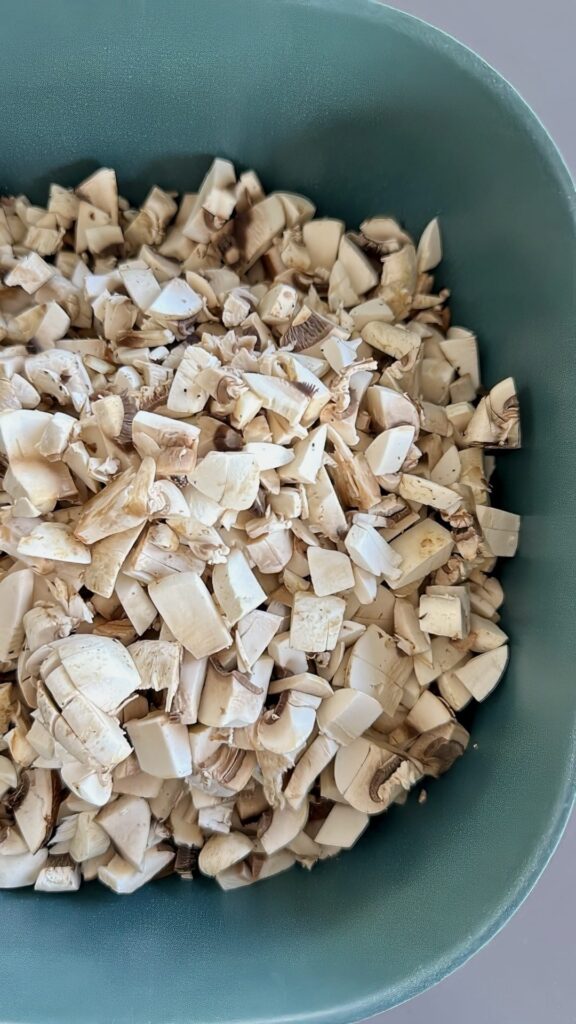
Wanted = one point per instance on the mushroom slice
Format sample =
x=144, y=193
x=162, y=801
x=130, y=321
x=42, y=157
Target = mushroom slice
x=330, y=571
x=230, y=478
x=445, y=611
x=343, y=827
x=482, y=674
x=285, y=824
x=429, y=252
x=98, y=735
x=288, y=725
x=232, y=770
x=437, y=750
x=220, y=852
x=347, y=715
x=161, y=745
x=188, y=610
x=310, y=765
x=35, y=815
x=376, y=667
x=316, y=622
x=386, y=453
x=307, y=329
x=59, y=874
x=16, y=597
x=236, y=588
x=99, y=667
x=233, y=699
x=188, y=692
x=495, y=422
x=93, y=787
x=12, y=844
x=253, y=634
x=54, y=541
x=122, y=877
x=422, y=548
x=21, y=869
x=368, y=550
x=371, y=778
x=127, y=822
x=303, y=682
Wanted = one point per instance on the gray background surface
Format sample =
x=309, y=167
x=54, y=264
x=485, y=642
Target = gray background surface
x=527, y=973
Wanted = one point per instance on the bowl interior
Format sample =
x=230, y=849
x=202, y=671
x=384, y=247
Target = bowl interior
x=365, y=110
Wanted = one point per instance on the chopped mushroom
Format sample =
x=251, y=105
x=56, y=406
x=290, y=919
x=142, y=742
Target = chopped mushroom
x=246, y=531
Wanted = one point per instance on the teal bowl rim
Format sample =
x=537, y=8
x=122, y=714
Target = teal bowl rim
x=560, y=178
x=519, y=110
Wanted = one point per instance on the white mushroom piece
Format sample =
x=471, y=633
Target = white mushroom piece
x=246, y=533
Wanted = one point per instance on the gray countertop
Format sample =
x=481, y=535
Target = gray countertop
x=526, y=974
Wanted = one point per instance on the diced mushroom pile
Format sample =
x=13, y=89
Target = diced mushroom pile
x=247, y=541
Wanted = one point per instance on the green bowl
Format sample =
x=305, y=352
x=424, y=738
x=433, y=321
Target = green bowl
x=365, y=110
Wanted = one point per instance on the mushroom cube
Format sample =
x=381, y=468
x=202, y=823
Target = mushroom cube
x=422, y=549
x=330, y=571
x=499, y=529
x=369, y=551
x=387, y=452
x=236, y=588
x=316, y=622
x=347, y=715
x=445, y=611
x=161, y=745
x=482, y=673
x=185, y=604
x=378, y=668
